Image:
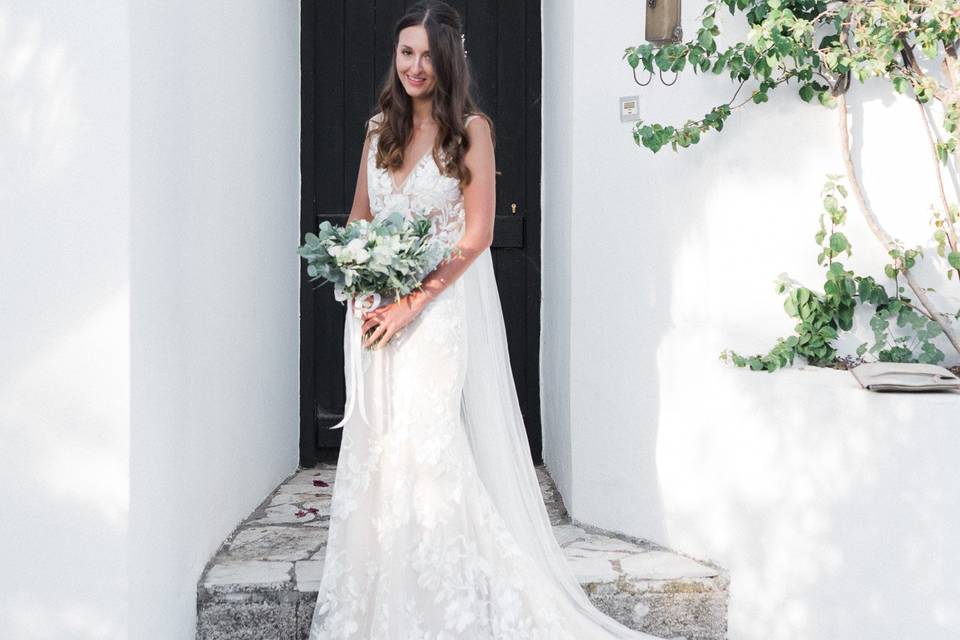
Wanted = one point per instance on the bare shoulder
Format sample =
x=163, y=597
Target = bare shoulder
x=479, y=128
x=374, y=122
x=478, y=122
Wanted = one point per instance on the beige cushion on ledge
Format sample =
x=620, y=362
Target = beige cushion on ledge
x=897, y=376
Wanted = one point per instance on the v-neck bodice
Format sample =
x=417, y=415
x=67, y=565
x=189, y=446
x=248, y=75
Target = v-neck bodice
x=393, y=180
x=425, y=190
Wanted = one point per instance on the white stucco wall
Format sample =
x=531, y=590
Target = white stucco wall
x=215, y=297
x=64, y=322
x=148, y=301
x=557, y=207
x=831, y=507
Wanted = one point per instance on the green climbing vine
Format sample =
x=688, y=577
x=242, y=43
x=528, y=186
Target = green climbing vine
x=819, y=47
x=822, y=316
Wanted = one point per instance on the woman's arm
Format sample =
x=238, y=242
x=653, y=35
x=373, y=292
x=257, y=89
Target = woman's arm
x=361, y=199
x=479, y=202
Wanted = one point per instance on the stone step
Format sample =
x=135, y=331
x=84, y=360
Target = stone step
x=262, y=582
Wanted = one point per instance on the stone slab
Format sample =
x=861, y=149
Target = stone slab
x=307, y=574
x=261, y=574
x=275, y=543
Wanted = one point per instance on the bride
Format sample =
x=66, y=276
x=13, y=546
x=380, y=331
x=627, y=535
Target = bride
x=437, y=526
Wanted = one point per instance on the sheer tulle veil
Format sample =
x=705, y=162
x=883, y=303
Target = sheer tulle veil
x=498, y=439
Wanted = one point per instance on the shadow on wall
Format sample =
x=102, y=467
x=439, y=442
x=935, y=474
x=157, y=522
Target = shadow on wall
x=63, y=265
x=834, y=509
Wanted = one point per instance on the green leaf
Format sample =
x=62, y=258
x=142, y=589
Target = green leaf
x=954, y=259
x=933, y=329
x=790, y=306
x=846, y=318
x=705, y=40
x=942, y=154
x=838, y=242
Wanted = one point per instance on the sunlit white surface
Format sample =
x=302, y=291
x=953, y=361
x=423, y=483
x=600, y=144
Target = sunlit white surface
x=830, y=506
x=64, y=320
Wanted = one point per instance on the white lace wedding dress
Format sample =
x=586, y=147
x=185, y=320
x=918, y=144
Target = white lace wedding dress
x=437, y=526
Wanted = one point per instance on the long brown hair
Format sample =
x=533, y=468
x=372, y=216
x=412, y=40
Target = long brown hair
x=452, y=98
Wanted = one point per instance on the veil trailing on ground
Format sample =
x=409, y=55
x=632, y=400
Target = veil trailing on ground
x=490, y=411
x=498, y=439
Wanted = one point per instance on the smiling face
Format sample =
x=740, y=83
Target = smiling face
x=414, y=65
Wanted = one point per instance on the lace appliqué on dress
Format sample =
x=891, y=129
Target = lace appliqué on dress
x=425, y=190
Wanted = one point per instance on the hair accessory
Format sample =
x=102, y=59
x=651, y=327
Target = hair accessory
x=463, y=42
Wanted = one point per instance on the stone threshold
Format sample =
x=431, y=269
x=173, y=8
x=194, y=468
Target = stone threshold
x=262, y=582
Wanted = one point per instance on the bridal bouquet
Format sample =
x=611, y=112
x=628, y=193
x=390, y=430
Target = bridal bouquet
x=368, y=260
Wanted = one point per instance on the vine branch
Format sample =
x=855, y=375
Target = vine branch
x=878, y=229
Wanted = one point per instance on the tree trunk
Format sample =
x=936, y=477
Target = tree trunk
x=881, y=233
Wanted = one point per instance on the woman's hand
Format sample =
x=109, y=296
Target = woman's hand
x=388, y=319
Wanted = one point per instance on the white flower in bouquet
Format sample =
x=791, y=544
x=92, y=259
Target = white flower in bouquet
x=355, y=251
x=368, y=260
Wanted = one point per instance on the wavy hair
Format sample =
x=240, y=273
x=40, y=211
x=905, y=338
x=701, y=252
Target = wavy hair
x=452, y=98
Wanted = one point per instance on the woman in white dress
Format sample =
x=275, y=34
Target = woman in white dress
x=437, y=527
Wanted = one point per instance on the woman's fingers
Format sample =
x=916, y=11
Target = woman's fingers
x=385, y=338
x=376, y=313
x=383, y=323
x=377, y=332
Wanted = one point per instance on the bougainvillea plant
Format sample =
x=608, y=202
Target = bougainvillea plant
x=818, y=47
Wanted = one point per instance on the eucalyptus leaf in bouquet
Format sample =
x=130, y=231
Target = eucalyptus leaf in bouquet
x=388, y=257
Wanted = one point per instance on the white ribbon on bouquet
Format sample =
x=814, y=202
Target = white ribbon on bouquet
x=357, y=306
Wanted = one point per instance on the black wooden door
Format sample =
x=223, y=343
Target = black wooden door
x=345, y=51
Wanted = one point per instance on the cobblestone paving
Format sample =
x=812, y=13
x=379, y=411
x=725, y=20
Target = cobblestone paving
x=262, y=582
